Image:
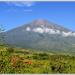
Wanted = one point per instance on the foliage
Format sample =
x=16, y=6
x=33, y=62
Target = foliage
x=10, y=49
x=40, y=56
x=12, y=61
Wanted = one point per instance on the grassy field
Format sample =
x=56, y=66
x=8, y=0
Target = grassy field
x=25, y=61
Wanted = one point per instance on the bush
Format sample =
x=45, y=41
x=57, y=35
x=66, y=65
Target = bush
x=10, y=49
x=41, y=56
x=59, y=67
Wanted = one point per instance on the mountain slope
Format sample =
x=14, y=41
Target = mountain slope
x=42, y=35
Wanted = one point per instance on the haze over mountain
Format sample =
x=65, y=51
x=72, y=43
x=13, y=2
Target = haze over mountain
x=43, y=35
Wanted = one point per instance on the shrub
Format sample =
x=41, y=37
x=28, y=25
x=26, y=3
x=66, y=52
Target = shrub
x=41, y=56
x=59, y=67
x=10, y=49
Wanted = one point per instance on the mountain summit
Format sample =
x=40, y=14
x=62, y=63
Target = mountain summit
x=42, y=35
x=40, y=22
x=44, y=26
x=47, y=24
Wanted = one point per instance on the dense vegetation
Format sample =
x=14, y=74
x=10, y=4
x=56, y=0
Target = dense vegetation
x=16, y=60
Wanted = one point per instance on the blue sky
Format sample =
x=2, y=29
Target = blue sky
x=14, y=14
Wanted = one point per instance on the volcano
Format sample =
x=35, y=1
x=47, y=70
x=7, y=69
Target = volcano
x=42, y=35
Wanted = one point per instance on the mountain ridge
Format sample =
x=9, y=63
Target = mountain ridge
x=48, y=39
x=36, y=21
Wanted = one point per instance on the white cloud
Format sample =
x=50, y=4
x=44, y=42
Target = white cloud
x=66, y=34
x=21, y=3
x=29, y=4
x=28, y=29
x=40, y=30
x=46, y=30
x=51, y=31
x=58, y=32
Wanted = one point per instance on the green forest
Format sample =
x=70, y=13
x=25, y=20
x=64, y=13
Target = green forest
x=26, y=61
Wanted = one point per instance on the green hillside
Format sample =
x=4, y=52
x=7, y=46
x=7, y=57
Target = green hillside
x=25, y=61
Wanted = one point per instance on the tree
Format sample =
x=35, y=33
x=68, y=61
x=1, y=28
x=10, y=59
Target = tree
x=2, y=36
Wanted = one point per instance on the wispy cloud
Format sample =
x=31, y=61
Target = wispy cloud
x=21, y=3
x=24, y=10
